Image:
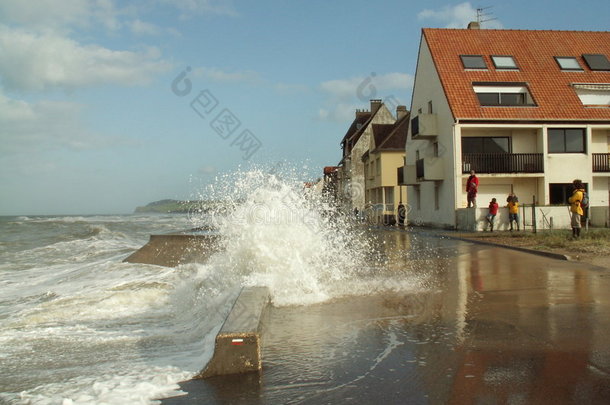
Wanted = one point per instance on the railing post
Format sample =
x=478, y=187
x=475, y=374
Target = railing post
x=534, y=213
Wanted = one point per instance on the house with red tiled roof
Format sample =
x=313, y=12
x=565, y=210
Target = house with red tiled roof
x=381, y=161
x=355, y=143
x=528, y=111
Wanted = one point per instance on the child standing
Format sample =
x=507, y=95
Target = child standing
x=513, y=210
x=493, y=211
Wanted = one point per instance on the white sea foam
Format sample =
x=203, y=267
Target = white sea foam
x=278, y=234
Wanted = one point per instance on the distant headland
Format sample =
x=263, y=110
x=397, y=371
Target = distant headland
x=175, y=207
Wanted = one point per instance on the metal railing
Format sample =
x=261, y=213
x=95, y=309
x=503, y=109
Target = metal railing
x=503, y=162
x=601, y=162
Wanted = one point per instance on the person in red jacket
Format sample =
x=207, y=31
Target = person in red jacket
x=472, y=187
x=493, y=211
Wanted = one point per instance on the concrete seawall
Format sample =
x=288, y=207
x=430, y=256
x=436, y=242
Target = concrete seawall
x=173, y=249
x=238, y=344
x=237, y=347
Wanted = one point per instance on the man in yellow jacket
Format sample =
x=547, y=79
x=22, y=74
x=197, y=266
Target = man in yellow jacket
x=575, y=207
x=513, y=210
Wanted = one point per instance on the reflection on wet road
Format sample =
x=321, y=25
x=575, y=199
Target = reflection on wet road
x=483, y=326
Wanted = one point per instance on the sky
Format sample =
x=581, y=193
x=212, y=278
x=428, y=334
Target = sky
x=106, y=105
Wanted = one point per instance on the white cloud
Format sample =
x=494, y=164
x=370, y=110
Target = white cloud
x=343, y=96
x=189, y=7
x=218, y=75
x=44, y=61
x=365, y=88
x=457, y=16
x=29, y=127
x=140, y=27
x=60, y=15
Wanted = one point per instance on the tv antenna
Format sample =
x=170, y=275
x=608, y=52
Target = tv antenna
x=481, y=15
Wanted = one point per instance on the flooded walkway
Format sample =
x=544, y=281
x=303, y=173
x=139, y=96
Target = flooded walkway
x=481, y=325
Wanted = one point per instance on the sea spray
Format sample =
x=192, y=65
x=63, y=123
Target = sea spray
x=277, y=233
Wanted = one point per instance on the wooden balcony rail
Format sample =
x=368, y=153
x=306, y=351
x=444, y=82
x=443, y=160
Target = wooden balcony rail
x=502, y=162
x=601, y=162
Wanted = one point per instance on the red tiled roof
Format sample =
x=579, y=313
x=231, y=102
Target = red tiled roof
x=534, y=53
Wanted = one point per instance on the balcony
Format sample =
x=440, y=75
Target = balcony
x=429, y=169
x=424, y=126
x=503, y=162
x=601, y=162
x=400, y=175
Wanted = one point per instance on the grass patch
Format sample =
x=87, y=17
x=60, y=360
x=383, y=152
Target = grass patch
x=592, y=241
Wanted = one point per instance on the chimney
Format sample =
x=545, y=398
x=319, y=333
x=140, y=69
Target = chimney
x=474, y=25
x=360, y=113
x=375, y=105
x=401, y=111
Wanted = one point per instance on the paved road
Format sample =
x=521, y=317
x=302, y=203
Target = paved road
x=481, y=325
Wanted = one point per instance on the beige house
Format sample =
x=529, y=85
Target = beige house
x=381, y=161
x=355, y=143
x=529, y=111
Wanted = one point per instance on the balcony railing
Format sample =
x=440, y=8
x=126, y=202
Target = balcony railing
x=502, y=162
x=601, y=162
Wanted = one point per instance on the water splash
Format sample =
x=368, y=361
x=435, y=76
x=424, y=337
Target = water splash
x=290, y=238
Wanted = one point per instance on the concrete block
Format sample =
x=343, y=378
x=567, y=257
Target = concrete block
x=173, y=249
x=238, y=344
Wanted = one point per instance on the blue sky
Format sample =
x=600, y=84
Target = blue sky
x=94, y=119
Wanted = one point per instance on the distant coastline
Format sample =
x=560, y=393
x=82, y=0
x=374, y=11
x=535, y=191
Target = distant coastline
x=174, y=207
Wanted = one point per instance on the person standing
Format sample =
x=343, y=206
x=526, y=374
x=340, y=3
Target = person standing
x=576, y=210
x=493, y=211
x=472, y=187
x=513, y=210
x=402, y=214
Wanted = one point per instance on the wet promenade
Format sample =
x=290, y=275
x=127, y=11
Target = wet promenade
x=481, y=325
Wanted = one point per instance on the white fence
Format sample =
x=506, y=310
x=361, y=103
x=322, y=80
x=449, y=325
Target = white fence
x=545, y=217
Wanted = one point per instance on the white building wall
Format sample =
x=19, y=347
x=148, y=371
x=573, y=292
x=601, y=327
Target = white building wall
x=428, y=88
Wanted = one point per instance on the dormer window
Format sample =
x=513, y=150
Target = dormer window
x=593, y=94
x=504, y=62
x=473, y=62
x=596, y=61
x=568, y=63
x=503, y=94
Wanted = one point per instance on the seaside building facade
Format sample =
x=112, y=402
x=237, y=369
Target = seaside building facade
x=381, y=161
x=529, y=111
x=355, y=143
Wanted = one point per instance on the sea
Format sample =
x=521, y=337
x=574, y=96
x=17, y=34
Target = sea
x=80, y=326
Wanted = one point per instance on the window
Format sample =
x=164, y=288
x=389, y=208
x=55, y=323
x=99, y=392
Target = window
x=435, y=149
x=566, y=140
x=503, y=94
x=593, y=94
x=568, y=63
x=378, y=167
x=473, y=62
x=485, y=144
x=430, y=109
x=560, y=192
x=504, y=62
x=597, y=61
x=436, y=196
